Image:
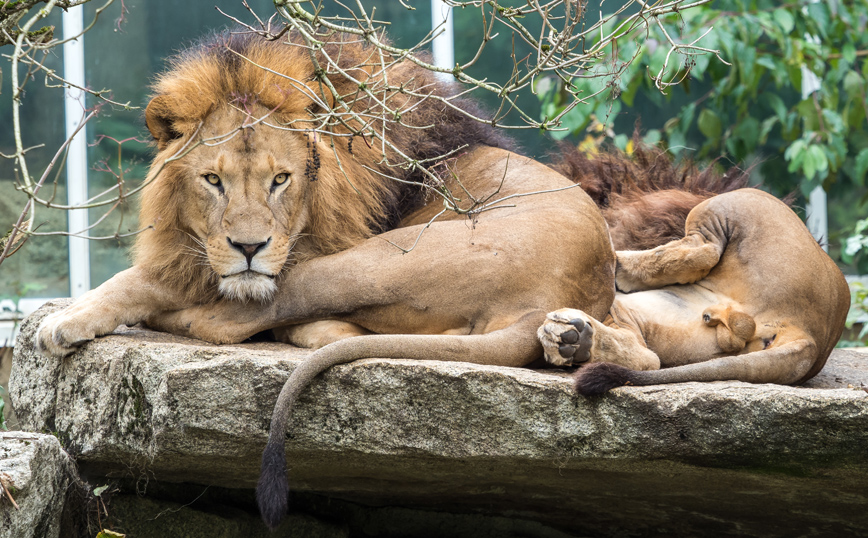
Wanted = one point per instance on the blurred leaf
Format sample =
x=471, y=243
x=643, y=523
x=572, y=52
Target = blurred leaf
x=861, y=165
x=748, y=131
x=785, y=20
x=767, y=126
x=776, y=103
x=652, y=137
x=795, y=154
x=709, y=124
x=853, y=84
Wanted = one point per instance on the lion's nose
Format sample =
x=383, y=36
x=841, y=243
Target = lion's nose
x=249, y=249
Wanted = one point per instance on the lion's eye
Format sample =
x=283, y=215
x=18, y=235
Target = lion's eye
x=279, y=179
x=213, y=179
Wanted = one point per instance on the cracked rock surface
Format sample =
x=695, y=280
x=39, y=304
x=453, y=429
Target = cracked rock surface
x=722, y=458
x=37, y=473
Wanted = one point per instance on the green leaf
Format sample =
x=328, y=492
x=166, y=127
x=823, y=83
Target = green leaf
x=768, y=62
x=861, y=166
x=815, y=162
x=677, y=142
x=776, y=104
x=833, y=120
x=709, y=124
x=848, y=51
x=785, y=20
x=652, y=137
x=686, y=117
x=819, y=15
x=795, y=154
x=607, y=111
x=621, y=141
x=767, y=126
x=543, y=86
x=853, y=84
x=748, y=131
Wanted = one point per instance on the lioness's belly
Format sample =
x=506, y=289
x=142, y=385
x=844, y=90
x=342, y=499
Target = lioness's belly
x=670, y=321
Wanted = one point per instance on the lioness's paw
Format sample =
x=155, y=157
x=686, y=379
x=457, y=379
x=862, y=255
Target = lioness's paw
x=60, y=334
x=567, y=337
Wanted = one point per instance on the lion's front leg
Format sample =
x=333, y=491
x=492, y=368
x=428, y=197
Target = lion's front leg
x=223, y=321
x=571, y=337
x=125, y=299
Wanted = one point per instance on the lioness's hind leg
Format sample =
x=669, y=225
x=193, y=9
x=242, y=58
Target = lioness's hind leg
x=734, y=327
x=683, y=261
x=570, y=337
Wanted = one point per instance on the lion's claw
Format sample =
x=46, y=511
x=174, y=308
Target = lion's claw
x=567, y=337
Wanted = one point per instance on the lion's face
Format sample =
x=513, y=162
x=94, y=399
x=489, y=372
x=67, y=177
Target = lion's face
x=245, y=201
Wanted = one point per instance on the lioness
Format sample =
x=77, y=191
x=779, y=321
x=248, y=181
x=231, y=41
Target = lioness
x=747, y=294
x=265, y=220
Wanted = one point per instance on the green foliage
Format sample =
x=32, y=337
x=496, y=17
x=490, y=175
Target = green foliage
x=855, y=247
x=855, y=251
x=754, y=107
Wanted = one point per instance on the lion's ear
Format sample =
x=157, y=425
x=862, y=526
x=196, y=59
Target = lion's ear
x=159, y=122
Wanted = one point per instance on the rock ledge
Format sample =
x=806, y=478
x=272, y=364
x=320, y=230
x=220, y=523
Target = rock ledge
x=757, y=460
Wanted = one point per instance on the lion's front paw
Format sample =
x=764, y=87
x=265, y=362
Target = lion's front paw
x=61, y=333
x=567, y=337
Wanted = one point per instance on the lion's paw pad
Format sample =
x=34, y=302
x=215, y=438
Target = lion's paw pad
x=567, y=337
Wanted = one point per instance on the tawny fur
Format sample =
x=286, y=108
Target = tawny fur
x=471, y=290
x=346, y=207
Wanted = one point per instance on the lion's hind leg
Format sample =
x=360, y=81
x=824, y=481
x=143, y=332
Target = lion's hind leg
x=317, y=334
x=570, y=337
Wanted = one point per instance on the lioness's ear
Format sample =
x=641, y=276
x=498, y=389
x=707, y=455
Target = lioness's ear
x=159, y=122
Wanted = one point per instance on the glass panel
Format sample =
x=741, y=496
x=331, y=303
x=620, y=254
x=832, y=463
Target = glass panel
x=40, y=268
x=123, y=52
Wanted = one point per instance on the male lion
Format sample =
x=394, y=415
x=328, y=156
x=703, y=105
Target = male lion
x=746, y=294
x=265, y=220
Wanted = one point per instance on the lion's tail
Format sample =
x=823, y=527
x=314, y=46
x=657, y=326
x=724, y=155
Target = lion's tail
x=645, y=197
x=800, y=355
x=515, y=345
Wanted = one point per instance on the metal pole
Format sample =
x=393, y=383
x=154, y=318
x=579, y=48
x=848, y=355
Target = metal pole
x=443, y=45
x=817, y=207
x=76, y=161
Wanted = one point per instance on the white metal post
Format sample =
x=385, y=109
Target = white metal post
x=443, y=46
x=76, y=161
x=817, y=207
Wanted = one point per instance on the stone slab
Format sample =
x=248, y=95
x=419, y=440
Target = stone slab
x=754, y=460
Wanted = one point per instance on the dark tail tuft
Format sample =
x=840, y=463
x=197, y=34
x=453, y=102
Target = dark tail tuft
x=599, y=378
x=272, y=491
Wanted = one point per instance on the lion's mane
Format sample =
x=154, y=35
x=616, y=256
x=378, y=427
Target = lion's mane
x=646, y=197
x=353, y=194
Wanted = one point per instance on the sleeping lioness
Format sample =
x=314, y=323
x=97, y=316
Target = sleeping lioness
x=746, y=295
